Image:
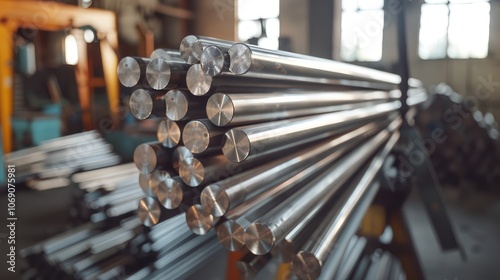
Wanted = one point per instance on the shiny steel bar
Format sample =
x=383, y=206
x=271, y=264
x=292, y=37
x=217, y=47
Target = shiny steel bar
x=243, y=142
x=192, y=47
x=164, y=74
x=148, y=211
x=220, y=197
x=248, y=59
x=325, y=236
x=155, y=179
x=202, y=137
x=170, y=192
x=167, y=54
x=132, y=71
x=180, y=154
x=261, y=236
x=200, y=83
x=184, y=106
x=329, y=268
x=149, y=157
x=237, y=109
x=351, y=257
x=169, y=132
x=144, y=103
x=214, y=60
x=199, y=220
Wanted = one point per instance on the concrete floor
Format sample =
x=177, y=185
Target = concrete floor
x=476, y=219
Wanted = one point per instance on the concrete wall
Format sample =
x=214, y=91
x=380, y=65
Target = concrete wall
x=215, y=18
x=294, y=24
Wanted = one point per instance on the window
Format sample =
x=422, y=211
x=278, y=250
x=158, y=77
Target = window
x=454, y=29
x=362, y=30
x=258, y=22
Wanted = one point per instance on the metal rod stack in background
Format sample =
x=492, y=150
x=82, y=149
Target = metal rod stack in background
x=257, y=149
x=51, y=164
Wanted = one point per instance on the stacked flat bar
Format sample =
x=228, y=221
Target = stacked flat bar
x=267, y=151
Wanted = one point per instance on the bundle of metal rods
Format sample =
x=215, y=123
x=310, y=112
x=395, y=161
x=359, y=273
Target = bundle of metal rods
x=467, y=150
x=276, y=152
x=50, y=164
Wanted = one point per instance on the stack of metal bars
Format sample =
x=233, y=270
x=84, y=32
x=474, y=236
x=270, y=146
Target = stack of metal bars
x=51, y=164
x=265, y=147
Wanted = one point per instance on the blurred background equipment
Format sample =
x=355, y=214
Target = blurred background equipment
x=250, y=139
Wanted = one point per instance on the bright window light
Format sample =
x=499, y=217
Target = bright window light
x=362, y=30
x=71, y=50
x=88, y=36
x=455, y=29
x=254, y=16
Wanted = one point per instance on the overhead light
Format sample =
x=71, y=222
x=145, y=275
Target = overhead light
x=70, y=50
x=88, y=36
x=85, y=3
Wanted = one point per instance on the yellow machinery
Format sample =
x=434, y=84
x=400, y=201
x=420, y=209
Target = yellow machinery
x=53, y=16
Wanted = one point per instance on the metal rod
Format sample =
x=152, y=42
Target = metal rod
x=349, y=260
x=183, y=106
x=164, y=74
x=167, y=54
x=243, y=142
x=332, y=263
x=327, y=233
x=155, y=179
x=144, y=103
x=261, y=236
x=149, y=157
x=148, y=211
x=192, y=47
x=202, y=137
x=214, y=60
x=200, y=84
x=132, y=70
x=180, y=154
x=169, y=132
x=237, y=109
x=204, y=170
x=220, y=197
x=248, y=59
x=170, y=192
x=103, y=173
x=199, y=220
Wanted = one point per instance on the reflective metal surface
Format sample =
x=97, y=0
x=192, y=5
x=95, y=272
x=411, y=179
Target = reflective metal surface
x=148, y=211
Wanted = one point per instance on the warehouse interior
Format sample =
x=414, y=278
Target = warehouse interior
x=249, y=139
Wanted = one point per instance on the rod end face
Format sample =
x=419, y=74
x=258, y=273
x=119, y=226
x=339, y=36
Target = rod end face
x=240, y=58
x=259, y=239
x=197, y=81
x=158, y=73
x=192, y=172
x=177, y=104
x=215, y=200
x=141, y=104
x=191, y=49
x=196, y=136
x=129, y=71
x=236, y=145
x=306, y=266
x=169, y=193
x=198, y=220
x=220, y=109
x=145, y=158
x=212, y=61
x=148, y=211
x=231, y=235
x=168, y=133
